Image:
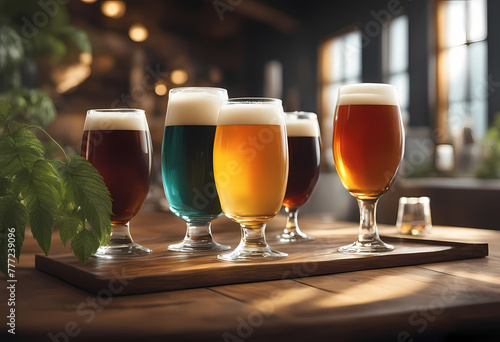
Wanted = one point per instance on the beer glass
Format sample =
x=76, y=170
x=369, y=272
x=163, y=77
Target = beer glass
x=303, y=160
x=117, y=143
x=251, y=169
x=187, y=164
x=368, y=145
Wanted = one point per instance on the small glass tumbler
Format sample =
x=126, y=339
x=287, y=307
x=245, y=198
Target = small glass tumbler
x=414, y=216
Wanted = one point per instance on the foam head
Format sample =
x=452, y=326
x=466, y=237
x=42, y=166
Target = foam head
x=194, y=106
x=302, y=124
x=251, y=111
x=368, y=93
x=116, y=120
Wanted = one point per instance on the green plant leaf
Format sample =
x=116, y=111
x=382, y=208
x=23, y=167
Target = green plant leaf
x=85, y=188
x=12, y=51
x=3, y=252
x=13, y=215
x=49, y=45
x=41, y=191
x=10, y=163
x=58, y=20
x=5, y=186
x=69, y=226
x=84, y=244
x=31, y=105
x=19, y=150
x=60, y=167
x=5, y=113
x=78, y=37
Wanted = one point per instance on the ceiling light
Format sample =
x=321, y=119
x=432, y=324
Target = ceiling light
x=179, y=76
x=113, y=8
x=138, y=33
x=160, y=89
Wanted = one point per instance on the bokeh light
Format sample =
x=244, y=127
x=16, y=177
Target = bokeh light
x=113, y=8
x=160, y=89
x=138, y=33
x=179, y=76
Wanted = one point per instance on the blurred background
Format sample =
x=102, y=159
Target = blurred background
x=59, y=58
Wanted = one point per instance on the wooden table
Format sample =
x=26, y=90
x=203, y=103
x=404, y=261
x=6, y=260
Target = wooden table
x=393, y=304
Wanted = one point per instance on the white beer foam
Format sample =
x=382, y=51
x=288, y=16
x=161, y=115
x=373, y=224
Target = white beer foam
x=194, y=108
x=116, y=120
x=302, y=127
x=251, y=113
x=368, y=93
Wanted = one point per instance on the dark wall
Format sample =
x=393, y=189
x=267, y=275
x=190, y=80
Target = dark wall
x=299, y=54
x=298, y=51
x=493, y=59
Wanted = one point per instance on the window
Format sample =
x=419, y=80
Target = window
x=340, y=63
x=462, y=68
x=396, y=60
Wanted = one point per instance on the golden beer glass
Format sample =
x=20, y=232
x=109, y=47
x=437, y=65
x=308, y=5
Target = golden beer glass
x=368, y=146
x=251, y=170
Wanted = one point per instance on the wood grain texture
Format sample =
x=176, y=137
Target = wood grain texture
x=431, y=301
x=404, y=297
x=164, y=270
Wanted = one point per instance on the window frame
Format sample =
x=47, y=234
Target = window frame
x=325, y=114
x=443, y=105
x=386, y=56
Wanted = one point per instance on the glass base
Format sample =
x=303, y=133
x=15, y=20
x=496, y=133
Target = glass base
x=119, y=251
x=295, y=237
x=366, y=247
x=260, y=254
x=198, y=239
x=292, y=232
x=253, y=246
x=198, y=246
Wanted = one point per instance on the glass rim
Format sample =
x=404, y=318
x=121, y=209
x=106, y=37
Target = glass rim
x=302, y=115
x=250, y=100
x=368, y=84
x=197, y=89
x=414, y=200
x=116, y=110
x=373, y=93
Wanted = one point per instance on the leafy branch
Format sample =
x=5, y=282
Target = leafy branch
x=45, y=193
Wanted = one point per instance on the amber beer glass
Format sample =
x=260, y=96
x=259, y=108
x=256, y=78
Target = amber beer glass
x=118, y=144
x=304, y=159
x=187, y=164
x=251, y=170
x=368, y=146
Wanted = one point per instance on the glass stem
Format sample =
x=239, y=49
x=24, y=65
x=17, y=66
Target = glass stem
x=368, y=224
x=120, y=234
x=199, y=232
x=291, y=222
x=253, y=237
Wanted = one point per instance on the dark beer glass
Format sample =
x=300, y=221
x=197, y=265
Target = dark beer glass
x=304, y=160
x=187, y=164
x=368, y=146
x=118, y=144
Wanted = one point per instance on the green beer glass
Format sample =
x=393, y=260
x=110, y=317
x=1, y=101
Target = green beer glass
x=187, y=164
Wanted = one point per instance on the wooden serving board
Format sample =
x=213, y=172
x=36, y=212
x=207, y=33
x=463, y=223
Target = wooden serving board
x=164, y=270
